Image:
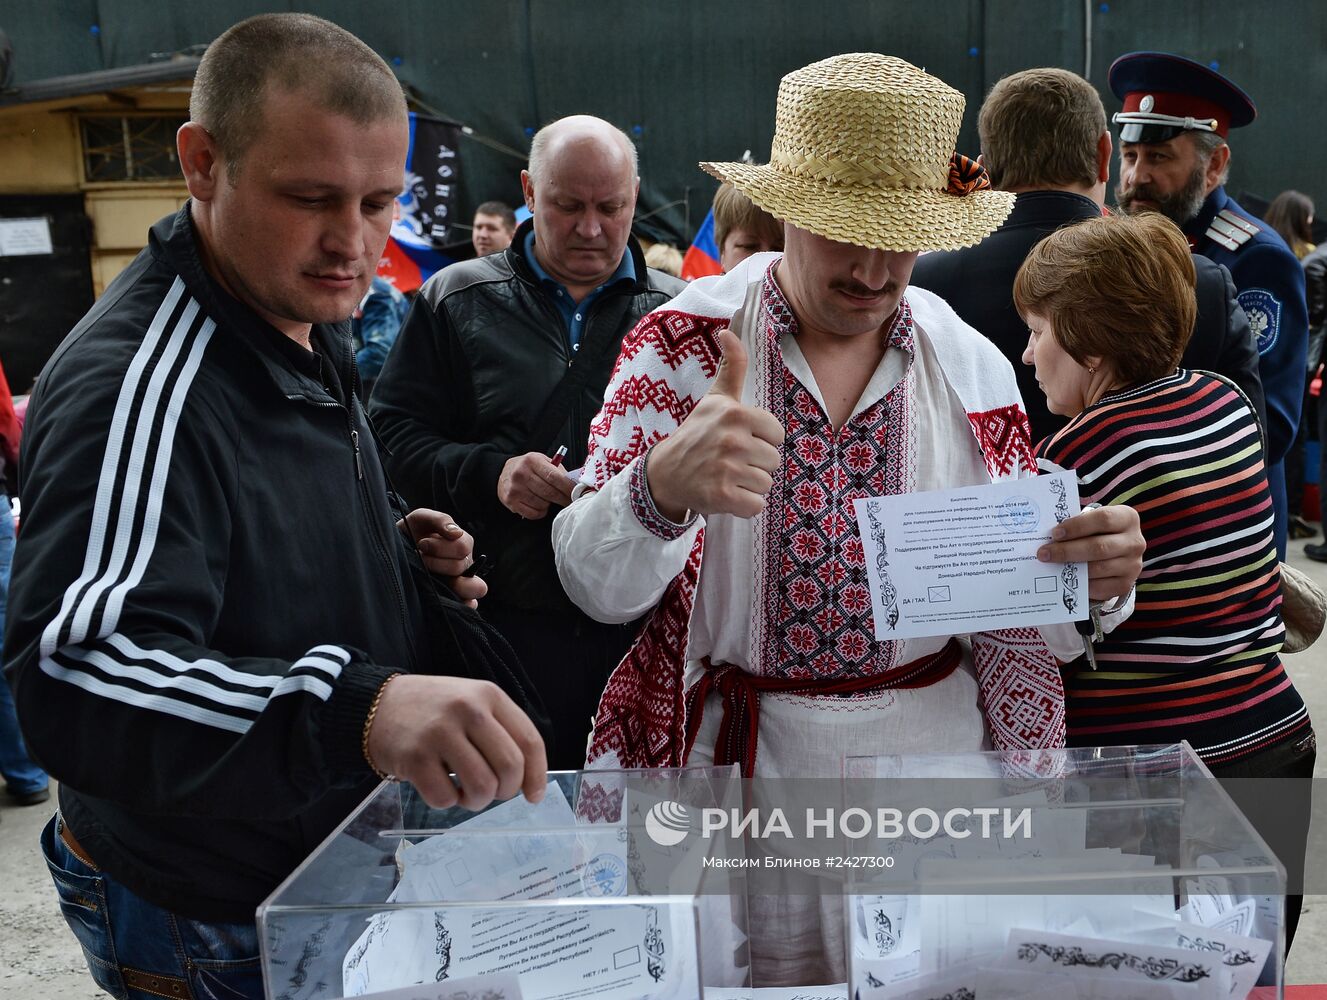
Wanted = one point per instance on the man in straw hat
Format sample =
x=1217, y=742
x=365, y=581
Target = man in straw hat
x=745, y=416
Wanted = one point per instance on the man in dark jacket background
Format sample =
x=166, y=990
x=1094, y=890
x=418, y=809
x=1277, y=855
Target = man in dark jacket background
x=1044, y=136
x=503, y=361
x=215, y=633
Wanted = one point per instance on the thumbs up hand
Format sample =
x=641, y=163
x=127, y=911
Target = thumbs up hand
x=721, y=460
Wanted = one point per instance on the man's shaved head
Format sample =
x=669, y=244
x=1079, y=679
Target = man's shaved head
x=576, y=130
x=287, y=52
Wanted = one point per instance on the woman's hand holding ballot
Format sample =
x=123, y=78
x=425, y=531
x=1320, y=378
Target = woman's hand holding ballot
x=1109, y=540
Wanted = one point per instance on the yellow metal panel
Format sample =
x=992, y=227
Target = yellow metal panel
x=106, y=265
x=41, y=153
x=121, y=217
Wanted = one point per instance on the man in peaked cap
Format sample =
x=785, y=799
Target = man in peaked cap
x=1174, y=160
x=742, y=420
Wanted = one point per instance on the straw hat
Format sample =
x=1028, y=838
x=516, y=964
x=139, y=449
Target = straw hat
x=861, y=155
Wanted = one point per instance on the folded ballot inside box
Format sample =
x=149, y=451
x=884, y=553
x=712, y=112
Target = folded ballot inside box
x=596, y=891
x=1094, y=873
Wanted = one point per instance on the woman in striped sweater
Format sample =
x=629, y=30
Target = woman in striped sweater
x=1110, y=305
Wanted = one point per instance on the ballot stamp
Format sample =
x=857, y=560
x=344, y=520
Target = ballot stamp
x=605, y=875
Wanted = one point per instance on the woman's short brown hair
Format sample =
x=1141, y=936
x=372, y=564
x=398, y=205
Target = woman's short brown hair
x=1120, y=288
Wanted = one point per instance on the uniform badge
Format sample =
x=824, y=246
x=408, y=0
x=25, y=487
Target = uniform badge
x=1264, y=312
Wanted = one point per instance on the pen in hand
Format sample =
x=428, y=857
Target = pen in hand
x=481, y=565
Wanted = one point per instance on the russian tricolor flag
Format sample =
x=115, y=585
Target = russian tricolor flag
x=702, y=257
x=407, y=264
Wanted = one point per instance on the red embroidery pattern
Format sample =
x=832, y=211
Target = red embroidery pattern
x=1005, y=441
x=643, y=404
x=640, y=392
x=597, y=803
x=641, y=715
x=817, y=609
x=672, y=337
x=1021, y=689
x=642, y=505
x=641, y=718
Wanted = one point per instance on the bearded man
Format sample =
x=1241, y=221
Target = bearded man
x=1174, y=160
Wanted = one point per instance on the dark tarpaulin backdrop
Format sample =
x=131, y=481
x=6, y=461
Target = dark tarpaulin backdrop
x=695, y=80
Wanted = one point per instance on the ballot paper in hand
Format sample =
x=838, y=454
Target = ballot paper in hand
x=950, y=562
x=511, y=864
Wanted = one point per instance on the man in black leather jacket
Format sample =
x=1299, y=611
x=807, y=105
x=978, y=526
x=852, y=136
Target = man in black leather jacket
x=1044, y=136
x=503, y=361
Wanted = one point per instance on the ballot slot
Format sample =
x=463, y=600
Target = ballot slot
x=600, y=890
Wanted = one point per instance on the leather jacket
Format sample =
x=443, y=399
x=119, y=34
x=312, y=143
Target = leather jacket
x=478, y=358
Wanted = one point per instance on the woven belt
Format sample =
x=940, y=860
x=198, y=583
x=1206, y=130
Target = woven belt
x=739, y=729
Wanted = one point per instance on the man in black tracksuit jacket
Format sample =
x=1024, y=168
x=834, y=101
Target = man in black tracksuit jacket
x=471, y=400
x=212, y=595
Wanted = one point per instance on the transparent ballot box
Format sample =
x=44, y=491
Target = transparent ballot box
x=567, y=898
x=1113, y=872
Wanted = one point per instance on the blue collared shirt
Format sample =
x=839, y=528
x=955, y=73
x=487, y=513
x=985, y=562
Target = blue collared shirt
x=574, y=314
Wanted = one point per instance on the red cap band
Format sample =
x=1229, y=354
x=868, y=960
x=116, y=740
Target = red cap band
x=1181, y=106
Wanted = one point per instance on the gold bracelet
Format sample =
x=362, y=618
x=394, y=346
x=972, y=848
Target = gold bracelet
x=368, y=724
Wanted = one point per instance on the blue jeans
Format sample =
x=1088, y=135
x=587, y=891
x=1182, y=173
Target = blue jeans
x=20, y=773
x=138, y=951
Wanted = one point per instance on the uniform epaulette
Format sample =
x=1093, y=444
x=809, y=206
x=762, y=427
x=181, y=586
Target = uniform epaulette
x=1230, y=230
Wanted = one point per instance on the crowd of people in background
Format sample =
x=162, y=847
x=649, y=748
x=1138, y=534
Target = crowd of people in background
x=562, y=507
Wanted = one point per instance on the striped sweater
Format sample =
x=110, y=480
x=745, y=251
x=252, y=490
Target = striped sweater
x=1198, y=659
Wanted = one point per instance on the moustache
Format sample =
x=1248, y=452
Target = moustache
x=1140, y=192
x=865, y=291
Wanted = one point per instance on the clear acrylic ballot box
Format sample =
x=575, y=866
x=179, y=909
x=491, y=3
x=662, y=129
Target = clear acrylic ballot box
x=567, y=898
x=1113, y=872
